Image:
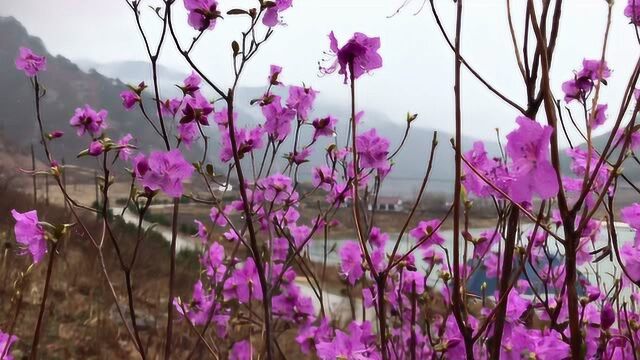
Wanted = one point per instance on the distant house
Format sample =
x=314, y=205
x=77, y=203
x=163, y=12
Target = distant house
x=388, y=203
x=225, y=187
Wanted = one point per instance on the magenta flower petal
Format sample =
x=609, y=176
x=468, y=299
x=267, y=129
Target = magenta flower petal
x=360, y=50
x=166, y=171
x=351, y=261
x=29, y=62
x=30, y=234
x=87, y=120
x=202, y=13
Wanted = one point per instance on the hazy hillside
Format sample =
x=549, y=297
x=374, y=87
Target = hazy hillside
x=133, y=72
x=410, y=163
x=67, y=87
x=99, y=84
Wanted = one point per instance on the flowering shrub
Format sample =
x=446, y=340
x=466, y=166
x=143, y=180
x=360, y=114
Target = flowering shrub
x=411, y=294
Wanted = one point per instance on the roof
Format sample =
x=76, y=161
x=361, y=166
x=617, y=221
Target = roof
x=389, y=199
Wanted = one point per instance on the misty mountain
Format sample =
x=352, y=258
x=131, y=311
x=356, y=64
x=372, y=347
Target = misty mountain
x=67, y=87
x=133, y=72
x=70, y=85
x=410, y=164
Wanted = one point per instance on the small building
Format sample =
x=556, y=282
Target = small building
x=388, y=203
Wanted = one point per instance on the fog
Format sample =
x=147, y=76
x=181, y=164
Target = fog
x=417, y=75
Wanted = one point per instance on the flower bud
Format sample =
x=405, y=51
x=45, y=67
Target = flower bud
x=607, y=316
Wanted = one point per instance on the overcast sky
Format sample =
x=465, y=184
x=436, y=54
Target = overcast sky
x=417, y=74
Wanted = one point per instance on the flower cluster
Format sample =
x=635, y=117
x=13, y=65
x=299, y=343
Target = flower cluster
x=582, y=83
x=166, y=171
x=528, y=173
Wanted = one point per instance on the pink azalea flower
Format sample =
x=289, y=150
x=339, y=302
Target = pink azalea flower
x=202, y=231
x=217, y=217
x=579, y=159
x=358, y=344
x=300, y=157
x=202, y=13
x=485, y=242
x=222, y=118
x=301, y=234
x=324, y=127
x=274, y=72
x=291, y=305
x=593, y=293
x=6, y=342
x=323, y=177
x=634, y=141
x=277, y=188
x=378, y=259
x=30, y=234
x=191, y=84
x=96, y=148
x=372, y=150
x=631, y=215
x=427, y=230
x=129, y=99
x=516, y=306
x=549, y=346
x=339, y=194
x=270, y=18
x=242, y=282
x=196, y=108
x=231, y=236
x=202, y=307
x=278, y=119
x=360, y=50
x=164, y=171
x=432, y=256
x=377, y=238
x=29, y=62
x=241, y=350
x=213, y=262
x=576, y=89
x=492, y=169
x=351, y=262
x=199, y=307
x=280, y=249
x=310, y=335
x=632, y=11
x=491, y=264
x=247, y=140
x=301, y=100
x=87, y=120
x=631, y=258
x=126, y=151
x=600, y=116
x=528, y=147
x=594, y=70
x=188, y=133
x=607, y=316
x=170, y=107
x=580, y=86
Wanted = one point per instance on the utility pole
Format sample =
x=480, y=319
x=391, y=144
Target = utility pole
x=35, y=182
x=64, y=182
x=97, y=188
